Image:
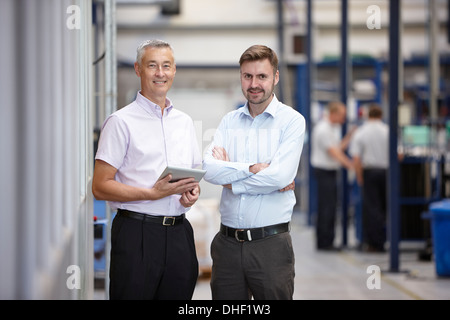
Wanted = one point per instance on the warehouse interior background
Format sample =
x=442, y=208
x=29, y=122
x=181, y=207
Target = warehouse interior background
x=67, y=64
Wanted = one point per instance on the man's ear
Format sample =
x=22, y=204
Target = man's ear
x=277, y=78
x=137, y=69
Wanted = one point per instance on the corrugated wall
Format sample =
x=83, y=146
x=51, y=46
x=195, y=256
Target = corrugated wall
x=46, y=149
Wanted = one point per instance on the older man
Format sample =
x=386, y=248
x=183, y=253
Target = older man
x=152, y=246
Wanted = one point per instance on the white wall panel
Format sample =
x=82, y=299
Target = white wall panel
x=46, y=133
x=9, y=166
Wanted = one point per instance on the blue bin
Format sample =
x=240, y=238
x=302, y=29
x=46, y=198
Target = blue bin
x=440, y=227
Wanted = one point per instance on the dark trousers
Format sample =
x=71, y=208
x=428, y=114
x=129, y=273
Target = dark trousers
x=326, y=207
x=374, y=207
x=261, y=268
x=152, y=261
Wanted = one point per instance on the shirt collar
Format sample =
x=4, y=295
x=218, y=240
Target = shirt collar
x=152, y=107
x=271, y=109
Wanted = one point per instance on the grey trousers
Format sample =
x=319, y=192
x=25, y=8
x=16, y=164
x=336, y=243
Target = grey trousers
x=264, y=269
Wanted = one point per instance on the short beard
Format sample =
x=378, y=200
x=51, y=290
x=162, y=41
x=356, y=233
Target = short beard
x=263, y=99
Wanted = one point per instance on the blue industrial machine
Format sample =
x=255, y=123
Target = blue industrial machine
x=100, y=238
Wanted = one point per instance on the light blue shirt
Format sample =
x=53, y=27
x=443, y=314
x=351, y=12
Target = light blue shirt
x=275, y=137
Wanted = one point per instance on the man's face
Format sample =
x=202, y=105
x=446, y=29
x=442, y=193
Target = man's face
x=258, y=80
x=341, y=115
x=157, y=70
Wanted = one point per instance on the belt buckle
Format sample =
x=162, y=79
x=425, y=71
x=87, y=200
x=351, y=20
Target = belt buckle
x=169, y=223
x=236, y=235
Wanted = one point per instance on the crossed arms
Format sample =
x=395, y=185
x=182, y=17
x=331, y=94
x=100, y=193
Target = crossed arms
x=220, y=153
x=256, y=178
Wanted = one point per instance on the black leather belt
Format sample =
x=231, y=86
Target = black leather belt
x=165, y=221
x=242, y=235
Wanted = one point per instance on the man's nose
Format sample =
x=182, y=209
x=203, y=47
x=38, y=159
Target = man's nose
x=159, y=71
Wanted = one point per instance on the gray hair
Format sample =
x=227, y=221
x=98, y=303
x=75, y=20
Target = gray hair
x=156, y=43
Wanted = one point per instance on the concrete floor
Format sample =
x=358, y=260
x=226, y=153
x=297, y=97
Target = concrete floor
x=340, y=275
x=343, y=275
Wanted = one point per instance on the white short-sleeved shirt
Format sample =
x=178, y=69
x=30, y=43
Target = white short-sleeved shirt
x=139, y=142
x=371, y=143
x=324, y=136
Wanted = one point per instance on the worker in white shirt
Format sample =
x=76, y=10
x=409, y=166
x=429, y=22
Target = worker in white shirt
x=370, y=151
x=327, y=157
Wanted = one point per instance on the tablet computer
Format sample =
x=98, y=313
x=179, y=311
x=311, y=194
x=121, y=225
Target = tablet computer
x=179, y=173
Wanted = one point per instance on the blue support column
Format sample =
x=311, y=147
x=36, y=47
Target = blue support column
x=309, y=66
x=344, y=78
x=282, y=62
x=394, y=99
